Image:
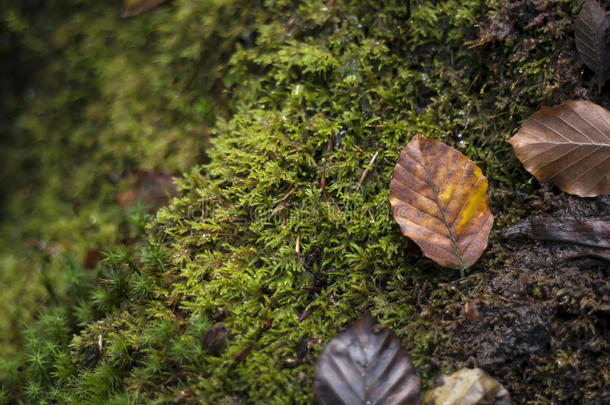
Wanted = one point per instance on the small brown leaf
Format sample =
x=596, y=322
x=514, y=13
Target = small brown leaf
x=439, y=199
x=468, y=387
x=592, y=42
x=569, y=146
x=366, y=364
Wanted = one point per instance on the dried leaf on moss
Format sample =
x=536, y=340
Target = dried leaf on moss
x=439, y=199
x=468, y=387
x=591, y=34
x=569, y=146
x=366, y=364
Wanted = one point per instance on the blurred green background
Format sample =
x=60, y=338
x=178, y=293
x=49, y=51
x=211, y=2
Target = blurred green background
x=88, y=101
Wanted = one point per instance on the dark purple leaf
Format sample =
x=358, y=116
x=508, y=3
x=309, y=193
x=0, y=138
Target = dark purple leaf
x=366, y=365
x=592, y=27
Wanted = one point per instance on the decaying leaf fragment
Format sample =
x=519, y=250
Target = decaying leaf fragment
x=216, y=337
x=468, y=387
x=592, y=233
x=592, y=36
x=363, y=365
x=439, y=199
x=569, y=146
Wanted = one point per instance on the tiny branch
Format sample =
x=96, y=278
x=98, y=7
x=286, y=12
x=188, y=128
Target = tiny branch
x=366, y=171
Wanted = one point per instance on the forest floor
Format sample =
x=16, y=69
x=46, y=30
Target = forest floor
x=267, y=114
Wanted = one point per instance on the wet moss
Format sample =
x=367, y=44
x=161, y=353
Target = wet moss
x=272, y=238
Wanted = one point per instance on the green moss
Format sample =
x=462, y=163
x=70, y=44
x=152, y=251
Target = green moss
x=320, y=90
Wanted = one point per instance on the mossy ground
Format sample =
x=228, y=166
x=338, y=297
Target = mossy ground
x=270, y=236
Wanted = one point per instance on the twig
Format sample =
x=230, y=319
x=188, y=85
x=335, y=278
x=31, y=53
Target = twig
x=278, y=208
x=323, y=180
x=288, y=194
x=366, y=171
x=306, y=313
x=281, y=205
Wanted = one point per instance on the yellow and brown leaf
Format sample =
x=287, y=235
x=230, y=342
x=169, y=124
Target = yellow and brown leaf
x=439, y=199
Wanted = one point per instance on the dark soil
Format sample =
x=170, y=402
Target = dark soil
x=542, y=322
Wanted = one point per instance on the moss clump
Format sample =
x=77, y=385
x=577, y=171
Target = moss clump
x=271, y=237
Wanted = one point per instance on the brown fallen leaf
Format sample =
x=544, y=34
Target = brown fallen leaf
x=135, y=7
x=439, y=199
x=468, y=387
x=592, y=39
x=366, y=364
x=569, y=146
